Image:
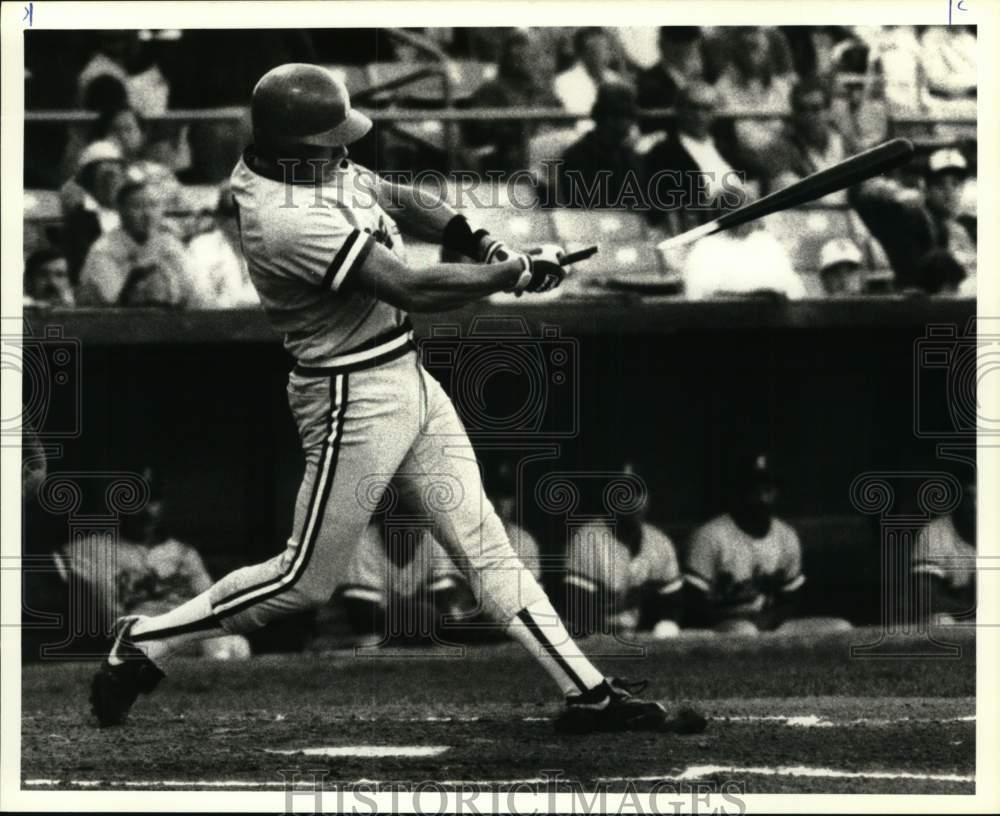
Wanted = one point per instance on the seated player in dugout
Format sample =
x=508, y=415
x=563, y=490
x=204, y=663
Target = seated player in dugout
x=622, y=574
x=743, y=568
x=945, y=555
x=400, y=582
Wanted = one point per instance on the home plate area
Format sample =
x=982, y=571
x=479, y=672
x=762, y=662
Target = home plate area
x=785, y=715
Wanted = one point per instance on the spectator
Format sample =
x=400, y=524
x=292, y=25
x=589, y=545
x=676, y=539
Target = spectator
x=945, y=554
x=121, y=55
x=894, y=52
x=948, y=58
x=696, y=172
x=520, y=83
x=122, y=126
x=46, y=280
x=399, y=583
x=756, y=77
x=88, y=201
x=744, y=260
x=743, y=569
x=145, y=572
x=622, y=575
x=912, y=217
x=220, y=276
x=602, y=168
x=809, y=141
x=139, y=262
x=680, y=63
x=840, y=267
x=576, y=88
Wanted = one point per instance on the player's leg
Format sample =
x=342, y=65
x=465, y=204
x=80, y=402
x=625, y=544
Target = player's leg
x=440, y=472
x=344, y=441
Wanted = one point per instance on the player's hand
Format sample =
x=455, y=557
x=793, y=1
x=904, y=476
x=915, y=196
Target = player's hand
x=547, y=271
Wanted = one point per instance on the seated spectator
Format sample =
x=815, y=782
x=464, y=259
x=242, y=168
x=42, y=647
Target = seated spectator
x=743, y=569
x=519, y=84
x=945, y=554
x=602, y=169
x=121, y=55
x=399, y=584
x=894, y=52
x=146, y=572
x=622, y=575
x=756, y=76
x=809, y=141
x=948, y=59
x=123, y=126
x=46, y=280
x=576, y=88
x=220, y=279
x=139, y=263
x=840, y=267
x=88, y=202
x=694, y=172
x=742, y=261
x=913, y=217
x=680, y=64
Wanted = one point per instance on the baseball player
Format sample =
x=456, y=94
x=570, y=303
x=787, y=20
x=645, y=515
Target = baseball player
x=945, y=553
x=623, y=576
x=324, y=251
x=399, y=582
x=743, y=568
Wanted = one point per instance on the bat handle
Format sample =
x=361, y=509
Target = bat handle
x=580, y=255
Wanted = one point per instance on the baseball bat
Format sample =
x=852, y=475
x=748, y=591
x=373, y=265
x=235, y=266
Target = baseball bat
x=872, y=162
x=579, y=255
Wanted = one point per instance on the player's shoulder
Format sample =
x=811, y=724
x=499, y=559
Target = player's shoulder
x=784, y=531
x=656, y=539
x=715, y=529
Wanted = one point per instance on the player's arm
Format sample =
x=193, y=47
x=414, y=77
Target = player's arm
x=698, y=604
x=443, y=286
x=430, y=218
x=784, y=591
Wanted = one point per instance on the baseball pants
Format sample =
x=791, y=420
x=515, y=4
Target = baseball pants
x=363, y=428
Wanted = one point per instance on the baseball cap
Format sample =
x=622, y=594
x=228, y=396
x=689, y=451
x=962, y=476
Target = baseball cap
x=947, y=158
x=102, y=150
x=839, y=250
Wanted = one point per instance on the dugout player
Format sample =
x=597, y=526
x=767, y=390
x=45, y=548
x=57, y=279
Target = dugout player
x=399, y=583
x=325, y=254
x=742, y=569
x=622, y=576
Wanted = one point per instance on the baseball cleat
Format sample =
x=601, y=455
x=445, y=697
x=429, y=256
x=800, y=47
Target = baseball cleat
x=125, y=674
x=612, y=706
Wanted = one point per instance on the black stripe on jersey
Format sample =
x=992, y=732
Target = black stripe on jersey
x=338, y=259
x=360, y=254
x=552, y=651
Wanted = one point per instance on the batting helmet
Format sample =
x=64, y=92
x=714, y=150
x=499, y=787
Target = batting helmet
x=299, y=103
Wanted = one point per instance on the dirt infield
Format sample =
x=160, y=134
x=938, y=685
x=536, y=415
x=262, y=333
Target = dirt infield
x=785, y=716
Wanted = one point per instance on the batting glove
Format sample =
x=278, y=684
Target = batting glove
x=542, y=267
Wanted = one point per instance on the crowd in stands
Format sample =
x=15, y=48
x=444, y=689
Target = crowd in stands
x=144, y=217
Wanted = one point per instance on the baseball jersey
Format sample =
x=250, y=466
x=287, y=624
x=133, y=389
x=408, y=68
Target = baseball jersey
x=739, y=571
x=942, y=552
x=302, y=241
x=597, y=558
x=373, y=575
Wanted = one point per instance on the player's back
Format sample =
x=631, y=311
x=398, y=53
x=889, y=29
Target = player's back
x=302, y=240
